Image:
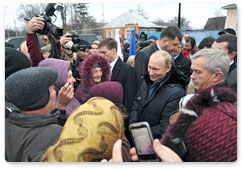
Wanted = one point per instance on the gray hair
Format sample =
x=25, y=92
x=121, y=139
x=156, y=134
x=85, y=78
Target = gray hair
x=216, y=60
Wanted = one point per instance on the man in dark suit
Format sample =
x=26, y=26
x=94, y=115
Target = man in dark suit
x=181, y=62
x=169, y=39
x=121, y=72
x=228, y=43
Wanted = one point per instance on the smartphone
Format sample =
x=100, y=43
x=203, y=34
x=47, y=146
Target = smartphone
x=143, y=141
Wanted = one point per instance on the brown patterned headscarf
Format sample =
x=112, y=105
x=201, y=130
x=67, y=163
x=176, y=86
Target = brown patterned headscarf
x=89, y=133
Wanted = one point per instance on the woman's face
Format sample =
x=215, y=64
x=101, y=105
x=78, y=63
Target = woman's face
x=97, y=74
x=70, y=78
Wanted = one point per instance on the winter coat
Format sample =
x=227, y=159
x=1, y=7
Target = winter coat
x=183, y=64
x=126, y=76
x=158, y=107
x=28, y=136
x=205, y=129
x=231, y=78
x=85, y=69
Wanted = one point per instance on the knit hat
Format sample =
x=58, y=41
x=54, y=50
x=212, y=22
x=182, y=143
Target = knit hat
x=28, y=89
x=227, y=31
x=14, y=61
x=109, y=90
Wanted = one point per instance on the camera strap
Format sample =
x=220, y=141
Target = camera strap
x=55, y=51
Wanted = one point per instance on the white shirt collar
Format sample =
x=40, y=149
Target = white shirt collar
x=157, y=45
x=112, y=64
x=232, y=61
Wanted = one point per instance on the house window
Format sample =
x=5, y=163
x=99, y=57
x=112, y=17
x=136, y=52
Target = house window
x=144, y=30
x=151, y=30
x=128, y=32
x=107, y=33
x=113, y=31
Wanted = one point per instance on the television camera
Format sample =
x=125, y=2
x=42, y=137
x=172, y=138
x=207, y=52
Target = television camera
x=143, y=40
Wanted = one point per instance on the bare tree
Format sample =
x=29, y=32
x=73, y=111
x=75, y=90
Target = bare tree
x=159, y=21
x=184, y=22
x=25, y=12
x=139, y=11
x=218, y=13
x=80, y=15
x=64, y=14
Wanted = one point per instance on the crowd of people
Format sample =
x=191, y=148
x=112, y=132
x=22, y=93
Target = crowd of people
x=67, y=104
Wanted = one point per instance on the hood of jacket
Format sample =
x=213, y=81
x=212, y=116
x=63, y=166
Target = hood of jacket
x=86, y=69
x=62, y=67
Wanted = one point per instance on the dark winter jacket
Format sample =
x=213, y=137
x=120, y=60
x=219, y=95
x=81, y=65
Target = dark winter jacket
x=85, y=69
x=206, y=127
x=126, y=76
x=231, y=79
x=183, y=64
x=28, y=136
x=158, y=107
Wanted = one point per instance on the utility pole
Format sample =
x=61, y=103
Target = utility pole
x=102, y=14
x=179, y=16
x=7, y=31
x=16, y=32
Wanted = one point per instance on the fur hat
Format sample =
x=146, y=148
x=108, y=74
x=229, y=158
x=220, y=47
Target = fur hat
x=14, y=61
x=28, y=89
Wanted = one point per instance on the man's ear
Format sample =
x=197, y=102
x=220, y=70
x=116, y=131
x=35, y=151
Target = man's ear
x=232, y=55
x=168, y=68
x=218, y=76
x=114, y=50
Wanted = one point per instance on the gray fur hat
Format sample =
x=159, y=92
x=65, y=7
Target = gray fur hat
x=28, y=89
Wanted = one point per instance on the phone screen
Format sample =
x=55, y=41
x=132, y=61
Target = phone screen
x=143, y=142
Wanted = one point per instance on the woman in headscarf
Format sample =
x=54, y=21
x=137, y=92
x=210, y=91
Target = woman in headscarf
x=64, y=76
x=92, y=129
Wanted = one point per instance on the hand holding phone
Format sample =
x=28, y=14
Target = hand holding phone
x=143, y=141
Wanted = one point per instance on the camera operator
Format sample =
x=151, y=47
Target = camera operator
x=42, y=25
x=83, y=52
x=34, y=24
x=70, y=55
